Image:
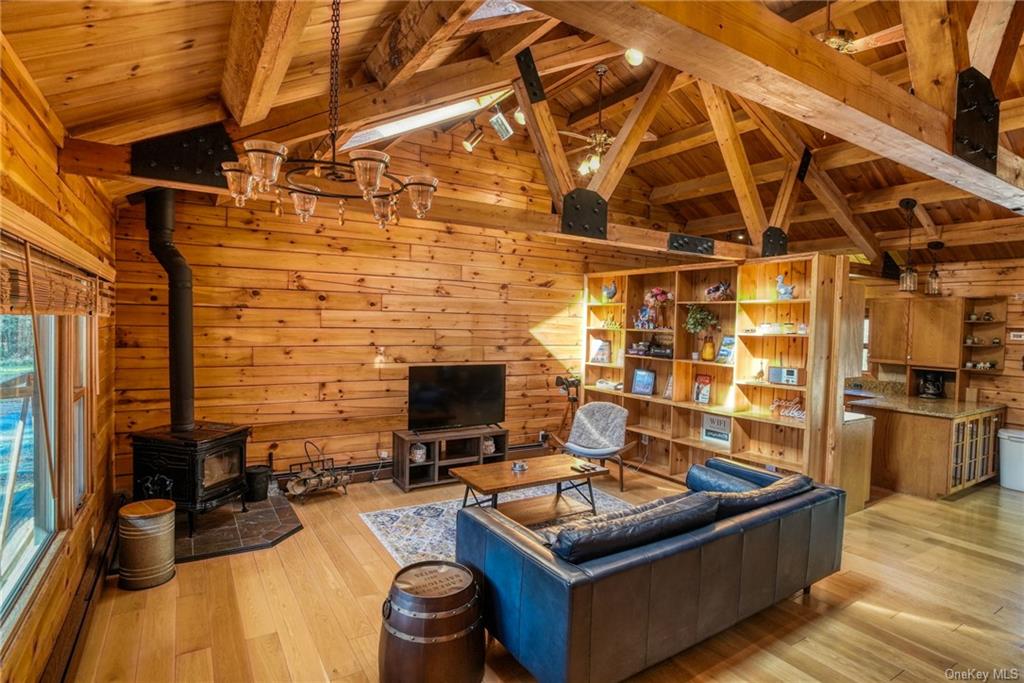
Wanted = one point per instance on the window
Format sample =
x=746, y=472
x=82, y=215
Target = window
x=865, y=366
x=27, y=498
x=47, y=389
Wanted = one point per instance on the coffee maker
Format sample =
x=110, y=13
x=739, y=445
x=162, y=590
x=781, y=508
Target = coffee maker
x=931, y=384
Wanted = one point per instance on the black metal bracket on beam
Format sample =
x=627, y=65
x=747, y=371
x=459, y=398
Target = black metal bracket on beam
x=191, y=156
x=805, y=164
x=531, y=78
x=976, y=126
x=691, y=244
x=585, y=214
x=890, y=269
x=774, y=242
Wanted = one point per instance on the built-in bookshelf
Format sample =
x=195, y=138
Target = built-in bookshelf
x=774, y=340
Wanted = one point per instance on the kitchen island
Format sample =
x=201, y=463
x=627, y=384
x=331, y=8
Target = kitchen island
x=931, y=447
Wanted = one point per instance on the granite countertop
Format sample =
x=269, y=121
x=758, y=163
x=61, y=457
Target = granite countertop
x=943, y=407
x=862, y=393
x=855, y=417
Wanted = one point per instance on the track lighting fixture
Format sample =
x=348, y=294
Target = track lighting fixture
x=473, y=139
x=519, y=116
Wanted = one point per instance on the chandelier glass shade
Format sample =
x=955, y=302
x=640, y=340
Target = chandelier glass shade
x=933, y=285
x=266, y=167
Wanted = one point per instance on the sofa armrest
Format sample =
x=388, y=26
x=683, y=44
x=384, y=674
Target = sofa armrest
x=535, y=603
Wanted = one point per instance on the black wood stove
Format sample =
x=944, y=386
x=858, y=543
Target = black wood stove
x=198, y=465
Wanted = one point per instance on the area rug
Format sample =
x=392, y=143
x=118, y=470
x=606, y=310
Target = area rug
x=427, y=532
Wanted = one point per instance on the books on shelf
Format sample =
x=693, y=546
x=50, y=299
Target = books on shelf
x=716, y=429
x=727, y=350
x=702, y=389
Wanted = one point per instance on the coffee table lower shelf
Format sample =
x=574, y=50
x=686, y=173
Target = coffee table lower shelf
x=540, y=509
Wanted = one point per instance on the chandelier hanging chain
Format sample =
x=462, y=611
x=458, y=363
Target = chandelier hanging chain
x=335, y=86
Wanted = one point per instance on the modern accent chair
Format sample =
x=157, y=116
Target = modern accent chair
x=599, y=433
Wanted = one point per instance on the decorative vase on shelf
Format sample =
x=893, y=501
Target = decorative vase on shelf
x=707, y=350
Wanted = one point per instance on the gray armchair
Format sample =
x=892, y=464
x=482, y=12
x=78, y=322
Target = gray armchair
x=599, y=433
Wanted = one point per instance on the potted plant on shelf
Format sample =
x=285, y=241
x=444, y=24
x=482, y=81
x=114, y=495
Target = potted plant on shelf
x=698, y=321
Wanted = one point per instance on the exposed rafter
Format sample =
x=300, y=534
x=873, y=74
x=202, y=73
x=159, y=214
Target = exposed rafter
x=786, y=199
x=618, y=102
x=716, y=101
x=418, y=30
x=627, y=140
x=936, y=37
x=993, y=39
x=506, y=42
x=261, y=41
x=923, y=217
x=745, y=48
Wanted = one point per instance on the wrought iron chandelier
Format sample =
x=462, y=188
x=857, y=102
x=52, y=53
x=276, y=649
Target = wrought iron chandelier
x=267, y=167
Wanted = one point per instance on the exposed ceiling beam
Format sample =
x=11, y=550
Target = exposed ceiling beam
x=627, y=140
x=745, y=48
x=415, y=34
x=498, y=22
x=968, y=234
x=689, y=138
x=366, y=104
x=925, y=192
x=930, y=229
x=936, y=38
x=506, y=42
x=716, y=101
x=993, y=39
x=547, y=143
x=262, y=39
x=786, y=199
x=887, y=36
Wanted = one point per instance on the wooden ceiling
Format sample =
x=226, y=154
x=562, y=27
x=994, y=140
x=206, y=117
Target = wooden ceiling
x=116, y=72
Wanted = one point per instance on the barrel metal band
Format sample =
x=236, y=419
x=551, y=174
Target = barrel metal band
x=435, y=615
x=436, y=639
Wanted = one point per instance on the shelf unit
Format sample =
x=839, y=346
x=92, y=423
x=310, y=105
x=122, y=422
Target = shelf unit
x=987, y=330
x=668, y=424
x=446, y=449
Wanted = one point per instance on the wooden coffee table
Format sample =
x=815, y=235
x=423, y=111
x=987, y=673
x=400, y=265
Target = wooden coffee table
x=493, y=478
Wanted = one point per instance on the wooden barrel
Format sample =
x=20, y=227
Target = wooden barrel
x=433, y=631
x=146, y=551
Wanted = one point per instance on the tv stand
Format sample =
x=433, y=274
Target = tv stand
x=446, y=448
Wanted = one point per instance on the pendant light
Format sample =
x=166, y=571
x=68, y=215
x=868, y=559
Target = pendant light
x=266, y=166
x=933, y=285
x=908, y=275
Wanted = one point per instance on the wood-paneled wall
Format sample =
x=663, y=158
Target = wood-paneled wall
x=70, y=216
x=989, y=278
x=306, y=331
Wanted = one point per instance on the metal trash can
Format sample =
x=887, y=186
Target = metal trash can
x=433, y=630
x=146, y=550
x=1011, y=459
x=257, y=481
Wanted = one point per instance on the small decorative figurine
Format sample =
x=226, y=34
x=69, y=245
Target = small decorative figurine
x=759, y=377
x=996, y=341
x=784, y=291
x=608, y=292
x=988, y=317
x=720, y=292
x=644, y=318
x=801, y=328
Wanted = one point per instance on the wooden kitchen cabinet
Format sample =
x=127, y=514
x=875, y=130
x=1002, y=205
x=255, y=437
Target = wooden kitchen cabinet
x=887, y=331
x=916, y=331
x=936, y=326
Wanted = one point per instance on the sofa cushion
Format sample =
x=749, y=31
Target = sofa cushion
x=700, y=478
x=549, y=534
x=577, y=544
x=733, y=503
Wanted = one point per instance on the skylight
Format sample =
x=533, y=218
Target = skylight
x=423, y=119
x=498, y=8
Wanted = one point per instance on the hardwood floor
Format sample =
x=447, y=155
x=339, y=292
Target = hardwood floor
x=925, y=586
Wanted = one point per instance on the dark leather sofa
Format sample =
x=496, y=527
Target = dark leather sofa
x=608, y=618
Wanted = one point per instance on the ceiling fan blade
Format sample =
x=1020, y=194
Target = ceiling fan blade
x=648, y=137
x=577, y=150
x=572, y=134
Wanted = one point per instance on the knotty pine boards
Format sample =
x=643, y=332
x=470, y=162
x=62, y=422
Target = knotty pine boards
x=71, y=216
x=981, y=279
x=306, y=331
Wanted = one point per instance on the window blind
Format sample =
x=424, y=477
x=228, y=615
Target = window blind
x=60, y=288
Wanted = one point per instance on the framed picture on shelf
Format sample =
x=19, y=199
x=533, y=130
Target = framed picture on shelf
x=727, y=350
x=702, y=389
x=643, y=382
x=602, y=351
x=716, y=428
x=667, y=394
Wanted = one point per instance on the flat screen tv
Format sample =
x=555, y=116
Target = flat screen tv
x=450, y=396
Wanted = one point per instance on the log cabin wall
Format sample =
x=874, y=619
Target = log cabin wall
x=306, y=331
x=989, y=278
x=69, y=216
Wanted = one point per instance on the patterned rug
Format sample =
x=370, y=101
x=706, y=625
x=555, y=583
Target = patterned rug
x=427, y=532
